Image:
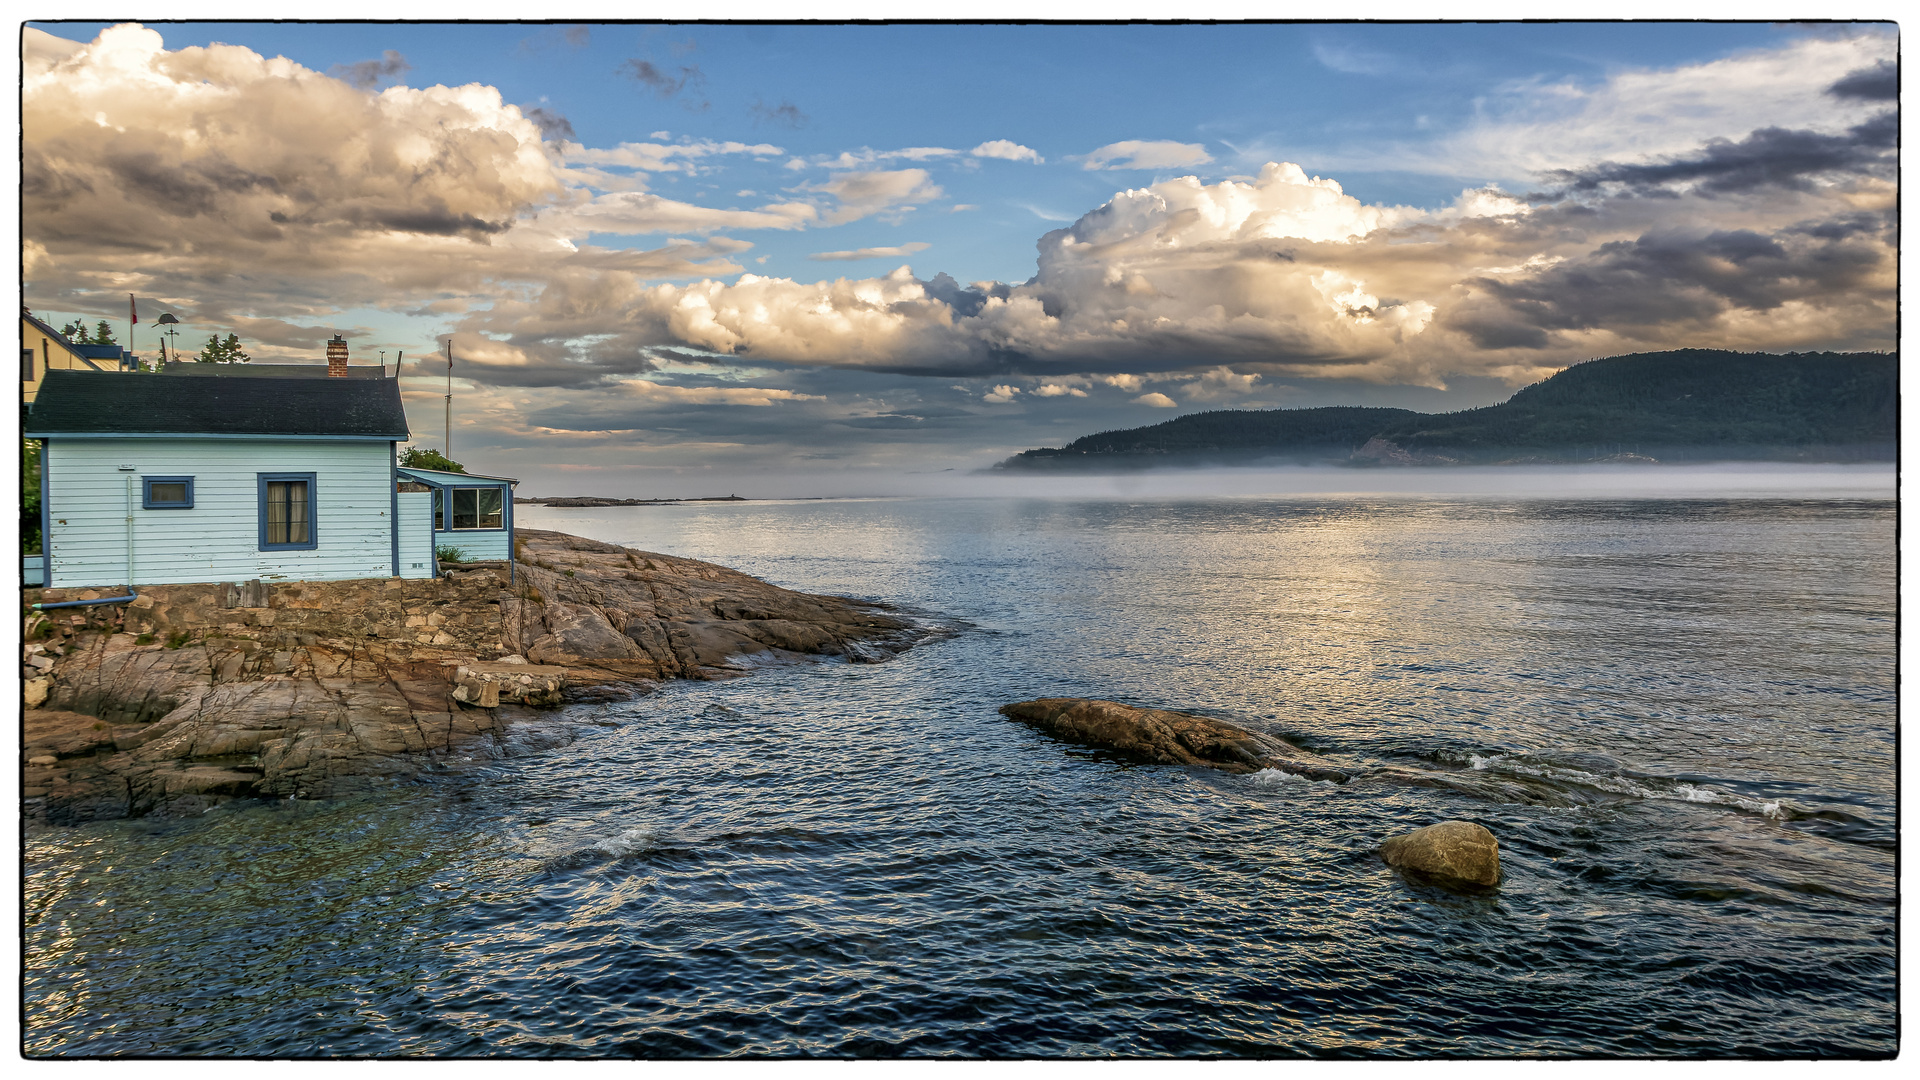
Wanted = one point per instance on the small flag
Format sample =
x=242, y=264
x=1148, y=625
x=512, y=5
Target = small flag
x=133, y=313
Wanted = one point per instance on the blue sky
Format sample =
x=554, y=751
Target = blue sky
x=676, y=254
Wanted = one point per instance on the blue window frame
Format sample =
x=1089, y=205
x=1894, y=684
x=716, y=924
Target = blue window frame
x=288, y=521
x=166, y=493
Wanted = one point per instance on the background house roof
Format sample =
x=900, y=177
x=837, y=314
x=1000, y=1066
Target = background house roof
x=268, y=371
x=86, y=403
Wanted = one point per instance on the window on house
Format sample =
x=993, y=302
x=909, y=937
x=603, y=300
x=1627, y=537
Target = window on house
x=439, y=515
x=286, y=511
x=166, y=492
x=476, y=508
x=26, y=365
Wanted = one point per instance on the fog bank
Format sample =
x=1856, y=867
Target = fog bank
x=1729, y=480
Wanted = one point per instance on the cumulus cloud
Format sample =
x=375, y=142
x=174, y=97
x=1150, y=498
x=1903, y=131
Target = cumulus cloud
x=1000, y=395
x=1221, y=384
x=1138, y=154
x=1158, y=401
x=1006, y=150
x=161, y=172
x=863, y=194
x=1288, y=274
x=1054, y=389
x=870, y=253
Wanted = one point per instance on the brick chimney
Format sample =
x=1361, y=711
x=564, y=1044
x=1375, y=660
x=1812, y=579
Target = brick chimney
x=337, y=357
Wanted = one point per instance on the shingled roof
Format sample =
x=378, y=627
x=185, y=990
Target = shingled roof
x=89, y=403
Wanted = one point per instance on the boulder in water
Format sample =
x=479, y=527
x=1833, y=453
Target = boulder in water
x=1452, y=851
x=1167, y=737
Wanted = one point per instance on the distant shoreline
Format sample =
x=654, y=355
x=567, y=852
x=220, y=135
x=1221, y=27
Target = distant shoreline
x=592, y=500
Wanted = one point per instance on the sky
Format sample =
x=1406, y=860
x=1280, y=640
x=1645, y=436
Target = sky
x=697, y=259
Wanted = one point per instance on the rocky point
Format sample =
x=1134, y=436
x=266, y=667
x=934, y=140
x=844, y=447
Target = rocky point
x=192, y=695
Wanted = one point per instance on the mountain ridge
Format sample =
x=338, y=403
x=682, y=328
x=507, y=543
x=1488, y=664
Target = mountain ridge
x=1674, y=405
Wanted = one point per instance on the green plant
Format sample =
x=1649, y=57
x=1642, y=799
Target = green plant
x=143, y=639
x=426, y=457
x=449, y=553
x=178, y=638
x=30, y=497
x=569, y=573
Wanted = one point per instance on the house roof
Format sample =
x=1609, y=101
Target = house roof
x=442, y=476
x=84, y=403
x=43, y=327
x=268, y=371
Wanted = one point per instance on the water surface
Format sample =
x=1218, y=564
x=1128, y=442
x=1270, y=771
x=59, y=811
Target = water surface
x=835, y=859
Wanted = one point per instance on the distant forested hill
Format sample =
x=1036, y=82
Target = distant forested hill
x=1687, y=404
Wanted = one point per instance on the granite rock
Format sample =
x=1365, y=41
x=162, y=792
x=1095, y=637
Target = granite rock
x=1452, y=852
x=196, y=694
x=1167, y=737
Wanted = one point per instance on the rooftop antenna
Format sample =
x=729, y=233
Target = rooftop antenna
x=449, y=419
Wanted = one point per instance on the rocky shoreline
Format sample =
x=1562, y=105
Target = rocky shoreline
x=194, y=695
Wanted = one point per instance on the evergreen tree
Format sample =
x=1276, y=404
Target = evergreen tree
x=75, y=331
x=222, y=352
x=103, y=334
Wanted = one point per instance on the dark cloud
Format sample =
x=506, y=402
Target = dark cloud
x=1668, y=278
x=786, y=114
x=1881, y=82
x=1769, y=157
x=667, y=84
x=553, y=126
x=365, y=74
x=576, y=36
x=967, y=301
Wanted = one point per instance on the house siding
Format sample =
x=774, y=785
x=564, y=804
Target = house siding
x=475, y=543
x=416, y=533
x=218, y=539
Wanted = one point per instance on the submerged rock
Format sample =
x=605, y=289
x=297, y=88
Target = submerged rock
x=1452, y=851
x=1167, y=737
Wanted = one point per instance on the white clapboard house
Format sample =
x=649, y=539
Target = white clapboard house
x=286, y=474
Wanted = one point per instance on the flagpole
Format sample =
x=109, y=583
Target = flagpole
x=448, y=438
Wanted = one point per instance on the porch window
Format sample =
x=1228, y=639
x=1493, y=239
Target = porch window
x=166, y=492
x=287, y=511
x=476, y=508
